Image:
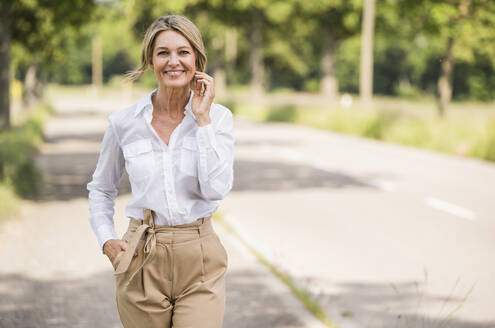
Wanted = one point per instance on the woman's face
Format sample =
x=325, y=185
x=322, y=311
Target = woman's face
x=173, y=60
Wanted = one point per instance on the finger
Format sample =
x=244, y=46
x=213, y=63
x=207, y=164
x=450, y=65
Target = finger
x=201, y=87
x=209, y=90
x=205, y=82
x=204, y=76
x=201, y=73
x=123, y=245
x=198, y=87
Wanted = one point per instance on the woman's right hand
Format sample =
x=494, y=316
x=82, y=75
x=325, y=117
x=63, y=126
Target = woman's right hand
x=113, y=247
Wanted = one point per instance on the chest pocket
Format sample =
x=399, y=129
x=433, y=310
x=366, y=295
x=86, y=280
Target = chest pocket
x=139, y=161
x=189, y=156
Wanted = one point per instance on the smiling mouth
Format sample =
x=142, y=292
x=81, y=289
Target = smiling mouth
x=173, y=73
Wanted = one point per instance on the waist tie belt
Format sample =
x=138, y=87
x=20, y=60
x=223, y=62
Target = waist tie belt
x=147, y=227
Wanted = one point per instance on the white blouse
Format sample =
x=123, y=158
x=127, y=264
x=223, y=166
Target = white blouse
x=180, y=182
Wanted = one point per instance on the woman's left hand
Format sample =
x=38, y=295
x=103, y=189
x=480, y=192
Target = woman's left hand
x=201, y=102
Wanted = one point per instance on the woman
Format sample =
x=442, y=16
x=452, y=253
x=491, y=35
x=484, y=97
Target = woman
x=177, y=148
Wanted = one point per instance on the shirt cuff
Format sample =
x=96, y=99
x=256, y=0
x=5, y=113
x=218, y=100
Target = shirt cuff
x=104, y=233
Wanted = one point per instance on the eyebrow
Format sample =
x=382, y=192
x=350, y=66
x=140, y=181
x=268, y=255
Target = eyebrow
x=181, y=47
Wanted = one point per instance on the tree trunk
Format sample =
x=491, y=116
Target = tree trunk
x=97, y=63
x=217, y=66
x=366, y=70
x=220, y=84
x=32, y=85
x=256, y=58
x=329, y=84
x=230, y=54
x=4, y=64
x=445, y=79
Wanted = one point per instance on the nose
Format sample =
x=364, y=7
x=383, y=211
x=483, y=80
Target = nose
x=173, y=59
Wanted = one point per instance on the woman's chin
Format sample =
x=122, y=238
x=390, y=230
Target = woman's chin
x=176, y=84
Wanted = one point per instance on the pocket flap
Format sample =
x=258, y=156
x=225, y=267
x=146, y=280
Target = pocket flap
x=137, y=147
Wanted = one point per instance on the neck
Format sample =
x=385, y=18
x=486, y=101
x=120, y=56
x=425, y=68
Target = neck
x=170, y=101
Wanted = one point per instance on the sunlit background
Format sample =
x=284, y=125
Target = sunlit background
x=364, y=233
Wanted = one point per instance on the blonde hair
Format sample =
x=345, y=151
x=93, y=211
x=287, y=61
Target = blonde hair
x=175, y=23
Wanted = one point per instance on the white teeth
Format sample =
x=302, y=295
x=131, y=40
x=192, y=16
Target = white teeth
x=174, y=73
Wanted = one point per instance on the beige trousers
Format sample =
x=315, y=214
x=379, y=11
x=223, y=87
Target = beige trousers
x=176, y=280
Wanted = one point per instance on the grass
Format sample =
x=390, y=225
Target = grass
x=300, y=293
x=19, y=176
x=442, y=319
x=468, y=130
x=444, y=315
x=10, y=203
x=464, y=132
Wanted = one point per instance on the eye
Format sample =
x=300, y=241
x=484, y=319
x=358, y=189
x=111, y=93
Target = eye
x=184, y=52
x=163, y=52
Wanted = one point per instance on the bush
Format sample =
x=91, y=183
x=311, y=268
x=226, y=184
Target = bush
x=412, y=132
x=10, y=202
x=379, y=124
x=17, y=146
x=312, y=85
x=230, y=105
x=408, y=91
x=489, y=153
x=455, y=136
x=485, y=147
x=286, y=113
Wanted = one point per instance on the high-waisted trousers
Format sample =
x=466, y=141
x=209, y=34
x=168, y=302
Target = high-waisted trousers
x=177, y=278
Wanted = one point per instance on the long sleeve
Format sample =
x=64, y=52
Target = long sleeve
x=103, y=188
x=216, y=157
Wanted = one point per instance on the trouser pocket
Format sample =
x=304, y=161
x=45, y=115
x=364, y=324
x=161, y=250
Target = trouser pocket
x=215, y=258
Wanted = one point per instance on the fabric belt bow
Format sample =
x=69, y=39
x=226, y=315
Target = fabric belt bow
x=148, y=227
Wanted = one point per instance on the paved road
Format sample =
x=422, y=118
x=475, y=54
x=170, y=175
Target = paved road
x=53, y=273
x=381, y=234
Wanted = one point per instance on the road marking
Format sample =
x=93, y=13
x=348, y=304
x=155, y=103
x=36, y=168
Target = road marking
x=450, y=208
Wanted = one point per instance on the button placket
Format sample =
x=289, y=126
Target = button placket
x=169, y=185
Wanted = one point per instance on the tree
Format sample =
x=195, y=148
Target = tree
x=335, y=20
x=39, y=27
x=4, y=64
x=461, y=27
x=366, y=70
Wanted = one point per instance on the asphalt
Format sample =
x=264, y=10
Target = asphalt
x=53, y=273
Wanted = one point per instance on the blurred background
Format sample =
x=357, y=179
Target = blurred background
x=314, y=86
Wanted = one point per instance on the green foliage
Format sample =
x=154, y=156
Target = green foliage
x=232, y=106
x=41, y=29
x=10, y=202
x=311, y=85
x=410, y=38
x=286, y=113
x=485, y=146
x=469, y=24
x=456, y=135
x=347, y=70
x=378, y=125
x=406, y=90
x=412, y=132
x=17, y=146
